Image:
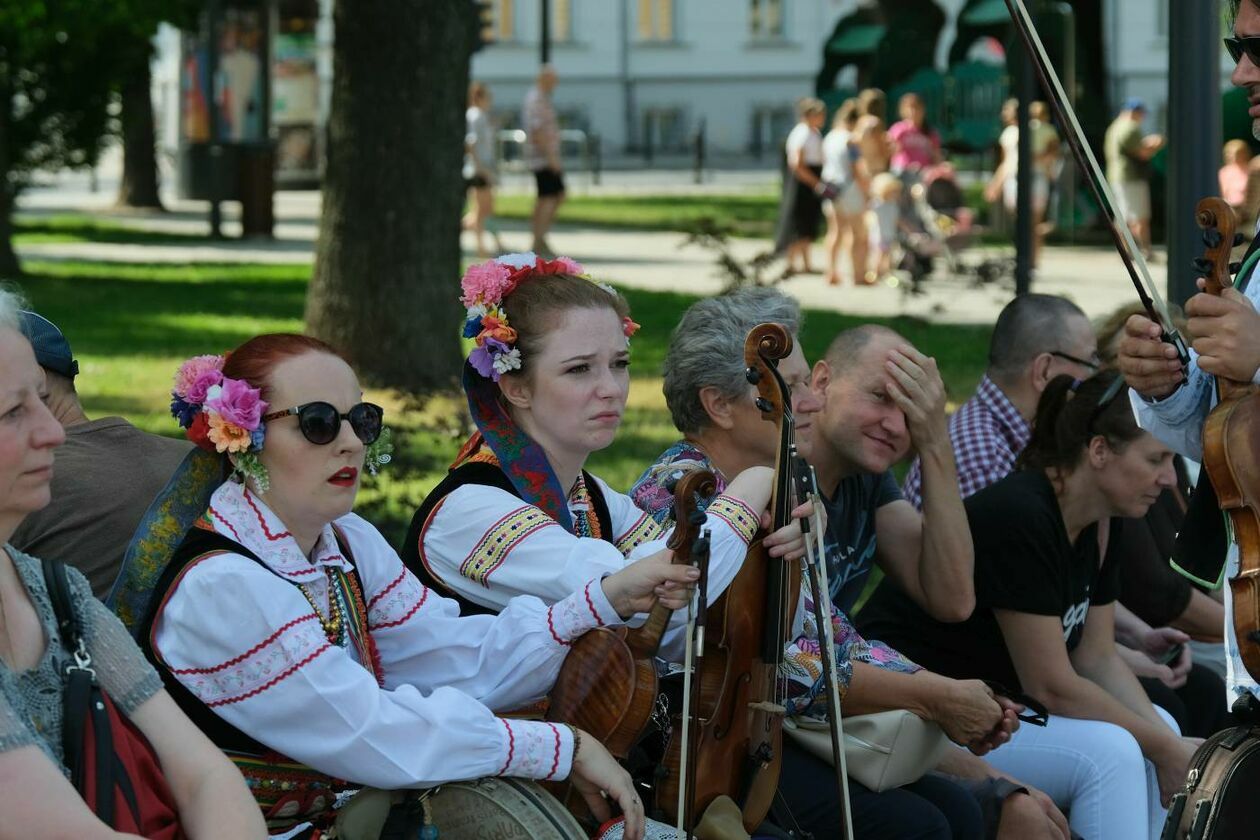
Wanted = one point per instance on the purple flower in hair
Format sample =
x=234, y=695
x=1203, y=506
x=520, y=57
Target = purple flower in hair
x=482, y=358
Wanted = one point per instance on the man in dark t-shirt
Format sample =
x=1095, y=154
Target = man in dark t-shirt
x=880, y=398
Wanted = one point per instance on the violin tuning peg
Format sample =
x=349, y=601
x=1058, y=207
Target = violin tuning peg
x=763, y=405
x=1235, y=267
x=1202, y=266
x=1239, y=239
x=752, y=375
x=1212, y=238
x=697, y=517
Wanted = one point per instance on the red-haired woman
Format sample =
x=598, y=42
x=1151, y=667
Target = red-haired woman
x=289, y=630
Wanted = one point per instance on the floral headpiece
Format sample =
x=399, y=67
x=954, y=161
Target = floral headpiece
x=486, y=285
x=221, y=414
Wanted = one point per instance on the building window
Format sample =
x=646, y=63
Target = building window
x=766, y=20
x=500, y=22
x=561, y=20
x=656, y=20
x=664, y=130
x=770, y=127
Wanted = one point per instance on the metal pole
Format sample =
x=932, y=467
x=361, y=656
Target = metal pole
x=1024, y=181
x=544, y=35
x=214, y=18
x=1194, y=129
x=1067, y=177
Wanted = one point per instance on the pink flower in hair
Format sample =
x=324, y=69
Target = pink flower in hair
x=569, y=265
x=197, y=375
x=238, y=403
x=485, y=283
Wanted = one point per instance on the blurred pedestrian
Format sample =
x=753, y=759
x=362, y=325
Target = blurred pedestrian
x=916, y=145
x=542, y=156
x=885, y=222
x=1129, y=156
x=480, y=168
x=844, y=170
x=803, y=187
x=1045, y=154
x=872, y=131
x=1233, y=176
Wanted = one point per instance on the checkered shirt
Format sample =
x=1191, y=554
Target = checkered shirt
x=987, y=433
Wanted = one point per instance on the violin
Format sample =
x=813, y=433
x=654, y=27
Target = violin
x=737, y=729
x=1231, y=443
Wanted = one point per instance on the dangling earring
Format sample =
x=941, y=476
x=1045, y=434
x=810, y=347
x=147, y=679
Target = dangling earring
x=379, y=452
x=245, y=466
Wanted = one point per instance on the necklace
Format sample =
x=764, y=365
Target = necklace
x=334, y=625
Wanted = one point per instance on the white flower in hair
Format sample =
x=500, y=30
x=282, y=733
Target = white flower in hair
x=508, y=361
x=524, y=259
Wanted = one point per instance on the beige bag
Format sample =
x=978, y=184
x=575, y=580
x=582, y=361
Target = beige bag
x=882, y=751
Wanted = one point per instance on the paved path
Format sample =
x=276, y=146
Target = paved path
x=1093, y=277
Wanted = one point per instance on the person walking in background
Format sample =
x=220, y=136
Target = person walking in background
x=479, y=168
x=1045, y=153
x=844, y=170
x=803, y=187
x=916, y=145
x=1128, y=169
x=872, y=131
x=1233, y=178
x=884, y=222
x=542, y=156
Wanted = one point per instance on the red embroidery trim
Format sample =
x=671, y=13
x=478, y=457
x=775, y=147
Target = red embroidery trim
x=266, y=531
x=555, y=758
x=511, y=747
x=247, y=654
x=590, y=605
x=279, y=678
x=226, y=524
x=552, y=627
x=373, y=653
x=424, y=597
x=379, y=595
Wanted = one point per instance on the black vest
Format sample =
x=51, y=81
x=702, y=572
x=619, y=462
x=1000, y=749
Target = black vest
x=488, y=475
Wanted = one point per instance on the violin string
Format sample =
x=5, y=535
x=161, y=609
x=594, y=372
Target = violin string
x=1102, y=189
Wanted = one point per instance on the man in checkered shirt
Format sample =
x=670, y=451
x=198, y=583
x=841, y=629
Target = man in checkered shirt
x=1036, y=338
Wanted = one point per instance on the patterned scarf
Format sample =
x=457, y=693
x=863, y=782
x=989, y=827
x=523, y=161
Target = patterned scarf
x=522, y=461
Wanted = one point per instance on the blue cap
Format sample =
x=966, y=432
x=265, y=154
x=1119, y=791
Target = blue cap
x=1133, y=103
x=52, y=351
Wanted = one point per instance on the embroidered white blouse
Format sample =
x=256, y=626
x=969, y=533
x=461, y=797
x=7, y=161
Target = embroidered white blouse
x=491, y=547
x=245, y=641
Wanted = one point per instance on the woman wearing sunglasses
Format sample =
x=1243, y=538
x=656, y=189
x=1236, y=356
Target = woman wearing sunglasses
x=1046, y=587
x=289, y=630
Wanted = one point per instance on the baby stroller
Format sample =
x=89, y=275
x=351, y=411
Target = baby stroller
x=938, y=203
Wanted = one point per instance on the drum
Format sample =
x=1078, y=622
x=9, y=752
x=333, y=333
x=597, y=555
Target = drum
x=501, y=808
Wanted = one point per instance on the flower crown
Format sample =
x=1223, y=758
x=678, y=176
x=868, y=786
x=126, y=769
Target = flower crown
x=486, y=285
x=220, y=414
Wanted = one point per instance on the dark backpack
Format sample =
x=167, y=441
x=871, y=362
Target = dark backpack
x=1219, y=801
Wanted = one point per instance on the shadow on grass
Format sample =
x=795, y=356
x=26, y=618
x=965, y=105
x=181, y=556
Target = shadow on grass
x=57, y=228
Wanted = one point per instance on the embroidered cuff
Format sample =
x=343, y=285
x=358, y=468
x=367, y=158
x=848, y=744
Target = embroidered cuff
x=743, y=520
x=645, y=530
x=584, y=610
x=536, y=750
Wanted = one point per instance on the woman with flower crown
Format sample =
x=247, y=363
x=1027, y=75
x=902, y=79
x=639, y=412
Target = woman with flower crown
x=547, y=383
x=289, y=630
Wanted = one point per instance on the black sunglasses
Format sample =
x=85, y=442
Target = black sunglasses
x=320, y=422
x=1105, y=400
x=1091, y=366
x=1248, y=44
x=1034, y=712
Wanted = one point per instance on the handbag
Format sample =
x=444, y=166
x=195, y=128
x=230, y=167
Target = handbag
x=111, y=763
x=882, y=751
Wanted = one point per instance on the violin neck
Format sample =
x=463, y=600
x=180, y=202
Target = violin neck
x=646, y=640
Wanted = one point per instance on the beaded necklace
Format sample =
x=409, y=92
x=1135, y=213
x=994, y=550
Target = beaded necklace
x=334, y=626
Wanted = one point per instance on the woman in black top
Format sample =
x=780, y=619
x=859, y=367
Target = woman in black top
x=1044, y=618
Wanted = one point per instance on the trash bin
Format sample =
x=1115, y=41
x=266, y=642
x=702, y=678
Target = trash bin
x=255, y=187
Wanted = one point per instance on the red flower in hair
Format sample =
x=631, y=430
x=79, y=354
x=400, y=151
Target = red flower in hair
x=199, y=432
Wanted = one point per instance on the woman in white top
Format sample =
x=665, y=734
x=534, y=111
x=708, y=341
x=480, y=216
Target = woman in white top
x=290, y=631
x=803, y=187
x=479, y=168
x=1045, y=151
x=844, y=170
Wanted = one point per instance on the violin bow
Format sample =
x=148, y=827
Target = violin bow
x=1088, y=164
x=815, y=573
x=697, y=614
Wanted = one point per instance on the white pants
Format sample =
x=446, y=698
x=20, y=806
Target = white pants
x=1093, y=770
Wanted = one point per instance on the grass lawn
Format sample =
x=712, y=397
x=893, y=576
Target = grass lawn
x=131, y=325
x=748, y=215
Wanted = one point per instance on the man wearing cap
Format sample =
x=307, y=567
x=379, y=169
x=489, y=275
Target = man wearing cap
x=1128, y=169
x=104, y=477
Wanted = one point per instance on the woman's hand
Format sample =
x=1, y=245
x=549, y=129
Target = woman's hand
x=596, y=774
x=788, y=542
x=637, y=587
x=968, y=712
x=1172, y=763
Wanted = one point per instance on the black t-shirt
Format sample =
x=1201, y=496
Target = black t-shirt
x=1024, y=563
x=850, y=539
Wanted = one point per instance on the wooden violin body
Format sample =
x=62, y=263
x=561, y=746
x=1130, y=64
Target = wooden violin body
x=1231, y=449
x=739, y=745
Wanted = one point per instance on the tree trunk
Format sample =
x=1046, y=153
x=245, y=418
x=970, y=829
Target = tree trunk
x=387, y=264
x=139, y=187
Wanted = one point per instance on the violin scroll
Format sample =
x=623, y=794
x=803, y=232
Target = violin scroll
x=765, y=345
x=1219, y=224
